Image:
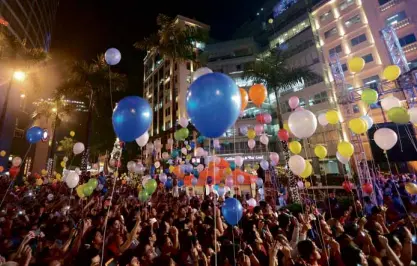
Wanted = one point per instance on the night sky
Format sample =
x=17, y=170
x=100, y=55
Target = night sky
x=85, y=28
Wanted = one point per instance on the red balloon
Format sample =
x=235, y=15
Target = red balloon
x=348, y=186
x=283, y=135
x=14, y=171
x=260, y=118
x=367, y=188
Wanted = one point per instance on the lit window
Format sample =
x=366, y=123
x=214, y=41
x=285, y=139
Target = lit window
x=346, y=4
x=352, y=21
x=330, y=33
x=326, y=15
x=394, y=19
x=406, y=40
x=357, y=40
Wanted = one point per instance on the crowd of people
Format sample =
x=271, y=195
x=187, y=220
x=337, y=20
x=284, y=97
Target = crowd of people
x=46, y=226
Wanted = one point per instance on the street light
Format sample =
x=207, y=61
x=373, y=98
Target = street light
x=19, y=75
x=54, y=110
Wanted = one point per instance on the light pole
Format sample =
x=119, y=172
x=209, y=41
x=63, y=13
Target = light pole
x=51, y=157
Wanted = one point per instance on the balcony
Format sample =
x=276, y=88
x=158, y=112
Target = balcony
x=388, y=5
x=412, y=47
x=401, y=24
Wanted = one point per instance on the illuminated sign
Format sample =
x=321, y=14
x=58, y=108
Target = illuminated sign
x=246, y=158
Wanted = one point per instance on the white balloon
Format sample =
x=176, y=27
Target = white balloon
x=50, y=197
x=201, y=72
x=157, y=164
x=390, y=102
x=240, y=179
x=264, y=164
x=138, y=168
x=216, y=143
x=200, y=168
x=342, y=159
x=170, y=141
x=251, y=143
x=163, y=178
x=300, y=184
x=142, y=140
x=184, y=151
x=77, y=170
x=165, y=155
x=239, y=161
x=322, y=120
x=264, y=139
x=131, y=166
x=368, y=120
x=72, y=179
x=385, y=138
x=183, y=121
x=273, y=156
x=78, y=148
x=297, y=164
x=302, y=124
x=65, y=159
x=251, y=202
x=200, y=152
x=17, y=161
x=413, y=114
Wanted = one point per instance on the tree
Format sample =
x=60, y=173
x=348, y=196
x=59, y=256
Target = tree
x=92, y=81
x=58, y=110
x=275, y=73
x=66, y=146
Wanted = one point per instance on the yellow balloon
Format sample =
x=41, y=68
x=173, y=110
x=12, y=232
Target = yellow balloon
x=58, y=177
x=358, y=125
x=227, y=171
x=44, y=172
x=251, y=133
x=63, y=164
x=80, y=191
x=171, y=168
x=411, y=188
x=287, y=127
x=295, y=147
x=332, y=116
x=356, y=64
x=72, y=133
x=320, y=151
x=391, y=72
x=2, y=153
x=39, y=182
x=307, y=171
x=307, y=184
x=345, y=149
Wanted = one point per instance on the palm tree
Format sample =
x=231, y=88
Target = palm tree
x=66, y=145
x=275, y=73
x=91, y=81
x=58, y=110
x=15, y=55
x=173, y=42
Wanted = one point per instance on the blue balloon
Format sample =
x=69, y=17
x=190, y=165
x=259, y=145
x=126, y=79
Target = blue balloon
x=232, y=165
x=192, y=144
x=216, y=187
x=174, y=154
x=232, y=211
x=196, y=173
x=209, y=180
x=34, y=134
x=112, y=56
x=168, y=183
x=194, y=181
x=131, y=118
x=213, y=104
x=201, y=139
x=180, y=183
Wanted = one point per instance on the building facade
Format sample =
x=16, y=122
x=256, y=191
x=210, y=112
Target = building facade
x=165, y=86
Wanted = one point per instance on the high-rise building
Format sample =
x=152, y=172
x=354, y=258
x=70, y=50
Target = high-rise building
x=165, y=85
x=30, y=20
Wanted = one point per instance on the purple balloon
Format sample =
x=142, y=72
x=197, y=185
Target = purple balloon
x=209, y=180
x=267, y=118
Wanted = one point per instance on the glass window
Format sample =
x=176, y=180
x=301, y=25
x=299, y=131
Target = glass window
x=336, y=50
x=330, y=33
x=411, y=38
x=238, y=67
x=326, y=15
x=167, y=111
x=346, y=4
x=394, y=19
x=359, y=39
x=344, y=67
x=368, y=58
x=318, y=98
x=383, y=2
x=352, y=21
x=188, y=65
x=371, y=81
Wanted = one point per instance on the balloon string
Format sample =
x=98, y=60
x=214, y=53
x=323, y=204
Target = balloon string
x=215, y=205
x=111, y=95
x=325, y=175
x=12, y=182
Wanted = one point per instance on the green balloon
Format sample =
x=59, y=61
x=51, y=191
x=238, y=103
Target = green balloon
x=184, y=133
x=369, y=96
x=88, y=189
x=143, y=195
x=177, y=135
x=150, y=186
x=399, y=115
x=93, y=183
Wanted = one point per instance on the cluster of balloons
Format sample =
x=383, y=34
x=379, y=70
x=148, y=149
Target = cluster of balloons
x=390, y=73
x=86, y=189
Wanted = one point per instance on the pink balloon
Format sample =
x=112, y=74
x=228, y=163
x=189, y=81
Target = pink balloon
x=267, y=118
x=259, y=129
x=229, y=182
x=293, y=102
x=251, y=143
x=299, y=108
x=273, y=156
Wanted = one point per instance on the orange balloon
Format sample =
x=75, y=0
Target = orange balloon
x=1, y=168
x=244, y=99
x=257, y=93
